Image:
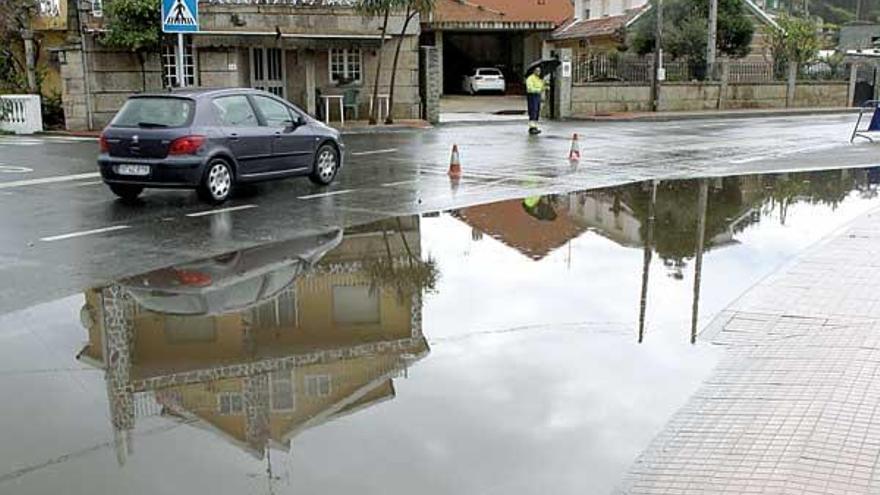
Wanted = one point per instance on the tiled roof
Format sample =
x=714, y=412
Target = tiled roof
x=555, y=11
x=589, y=28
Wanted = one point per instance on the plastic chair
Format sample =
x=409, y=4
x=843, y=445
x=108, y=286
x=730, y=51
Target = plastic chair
x=350, y=100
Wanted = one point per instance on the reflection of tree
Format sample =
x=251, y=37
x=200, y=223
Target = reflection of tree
x=734, y=203
x=407, y=276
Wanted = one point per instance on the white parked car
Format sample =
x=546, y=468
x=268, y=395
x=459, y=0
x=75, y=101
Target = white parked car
x=484, y=79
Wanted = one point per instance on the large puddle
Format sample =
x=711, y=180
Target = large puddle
x=528, y=346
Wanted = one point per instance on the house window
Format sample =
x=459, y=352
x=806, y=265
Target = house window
x=169, y=64
x=318, y=385
x=355, y=305
x=97, y=8
x=267, y=70
x=345, y=65
x=189, y=329
x=282, y=390
x=229, y=404
x=281, y=311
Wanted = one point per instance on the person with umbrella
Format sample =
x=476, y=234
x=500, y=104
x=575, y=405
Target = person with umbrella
x=535, y=87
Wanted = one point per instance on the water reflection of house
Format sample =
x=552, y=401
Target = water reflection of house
x=511, y=223
x=607, y=215
x=329, y=344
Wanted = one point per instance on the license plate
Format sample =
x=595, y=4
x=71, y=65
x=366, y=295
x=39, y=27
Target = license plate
x=133, y=169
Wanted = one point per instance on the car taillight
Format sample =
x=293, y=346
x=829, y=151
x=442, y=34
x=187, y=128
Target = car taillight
x=193, y=278
x=103, y=144
x=478, y=78
x=187, y=145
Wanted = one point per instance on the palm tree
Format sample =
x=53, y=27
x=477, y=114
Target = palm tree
x=413, y=8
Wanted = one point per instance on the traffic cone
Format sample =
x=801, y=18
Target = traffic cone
x=574, y=155
x=454, y=163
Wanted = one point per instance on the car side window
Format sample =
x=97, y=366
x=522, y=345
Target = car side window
x=275, y=113
x=235, y=111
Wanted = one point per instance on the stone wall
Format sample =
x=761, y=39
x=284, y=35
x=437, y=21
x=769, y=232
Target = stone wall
x=604, y=98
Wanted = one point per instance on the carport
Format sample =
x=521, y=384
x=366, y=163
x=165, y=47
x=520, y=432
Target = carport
x=506, y=34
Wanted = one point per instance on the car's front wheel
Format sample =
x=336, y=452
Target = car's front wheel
x=127, y=192
x=326, y=165
x=217, y=183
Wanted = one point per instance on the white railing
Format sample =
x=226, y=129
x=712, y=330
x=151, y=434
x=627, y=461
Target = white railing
x=20, y=114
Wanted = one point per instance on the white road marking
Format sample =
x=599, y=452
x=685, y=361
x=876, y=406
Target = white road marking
x=83, y=233
x=324, y=195
x=10, y=169
x=220, y=210
x=400, y=183
x=373, y=152
x=48, y=180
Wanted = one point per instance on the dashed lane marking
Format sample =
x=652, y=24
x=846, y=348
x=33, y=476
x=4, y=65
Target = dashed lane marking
x=327, y=194
x=83, y=233
x=48, y=180
x=11, y=169
x=220, y=210
x=373, y=152
x=400, y=183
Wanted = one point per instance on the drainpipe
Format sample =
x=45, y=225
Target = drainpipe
x=28, y=36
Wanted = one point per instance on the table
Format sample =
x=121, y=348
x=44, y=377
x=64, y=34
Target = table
x=381, y=97
x=327, y=99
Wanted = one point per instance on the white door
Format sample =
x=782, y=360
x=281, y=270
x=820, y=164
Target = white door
x=267, y=71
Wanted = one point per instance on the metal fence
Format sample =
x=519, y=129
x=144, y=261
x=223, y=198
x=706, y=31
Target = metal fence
x=752, y=72
x=600, y=67
x=823, y=71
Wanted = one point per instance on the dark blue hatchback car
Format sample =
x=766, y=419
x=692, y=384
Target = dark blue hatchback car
x=212, y=139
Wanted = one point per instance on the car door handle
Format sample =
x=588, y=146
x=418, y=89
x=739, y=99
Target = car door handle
x=277, y=134
x=233, y=136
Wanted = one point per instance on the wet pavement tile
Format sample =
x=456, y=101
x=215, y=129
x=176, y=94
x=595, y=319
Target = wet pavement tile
x=535, y=345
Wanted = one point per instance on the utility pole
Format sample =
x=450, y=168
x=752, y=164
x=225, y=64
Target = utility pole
x=712, y=43
x=858, y=10
x=658, y=43
x=702, y=206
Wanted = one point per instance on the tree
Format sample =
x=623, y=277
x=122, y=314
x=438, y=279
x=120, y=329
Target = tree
x=16, y=17
x=413, y=8
x=685, y=30
x=372, y=9
x=797, y=40
x=134, y=25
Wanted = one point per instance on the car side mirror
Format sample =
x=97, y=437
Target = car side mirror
x=292, y=125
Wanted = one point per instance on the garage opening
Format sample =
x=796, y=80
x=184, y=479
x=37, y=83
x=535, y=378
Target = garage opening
x=463, y=52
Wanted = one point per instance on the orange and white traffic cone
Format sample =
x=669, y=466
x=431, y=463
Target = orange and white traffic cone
x=454, y=163
x=574, y=155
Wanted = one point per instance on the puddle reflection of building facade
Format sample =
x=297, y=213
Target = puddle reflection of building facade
x=273, y=382
x=118, y=339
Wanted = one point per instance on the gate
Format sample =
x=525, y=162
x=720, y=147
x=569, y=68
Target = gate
x=864, y=90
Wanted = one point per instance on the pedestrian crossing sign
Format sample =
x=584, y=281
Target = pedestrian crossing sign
x=180, y=16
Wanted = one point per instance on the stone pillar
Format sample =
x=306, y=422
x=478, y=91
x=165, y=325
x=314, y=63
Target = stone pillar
x=725, y=81
x=792, y=84
x=311, y=81
x=118, y=348
x=438, y=45
x=430, y=85
x=851, y=90
x=562, y=95
x=30, y=64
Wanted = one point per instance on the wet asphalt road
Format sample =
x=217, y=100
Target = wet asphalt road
x=63, y=230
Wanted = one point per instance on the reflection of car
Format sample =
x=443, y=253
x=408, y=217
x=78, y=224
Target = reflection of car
x=229, y=282
x=212, y=140
x=484, y=79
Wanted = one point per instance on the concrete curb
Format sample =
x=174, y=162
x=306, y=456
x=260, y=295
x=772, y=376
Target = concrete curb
x=751, y=114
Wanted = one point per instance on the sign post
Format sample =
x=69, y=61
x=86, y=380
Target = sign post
x=180, y=16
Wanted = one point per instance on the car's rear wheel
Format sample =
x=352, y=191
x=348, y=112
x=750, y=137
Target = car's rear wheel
x=326, y=165
x=127, y=192
x=217, y=183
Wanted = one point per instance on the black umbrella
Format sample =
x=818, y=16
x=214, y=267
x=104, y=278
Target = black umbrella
x=547, y=65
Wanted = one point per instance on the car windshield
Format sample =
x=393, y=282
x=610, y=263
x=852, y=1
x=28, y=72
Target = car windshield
x=489, y=72
x=154, y=112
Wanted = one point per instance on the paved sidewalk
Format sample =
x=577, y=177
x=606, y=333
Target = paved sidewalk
x=794, y=406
